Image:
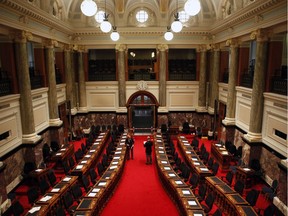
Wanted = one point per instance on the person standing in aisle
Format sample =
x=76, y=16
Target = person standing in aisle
x=148, y=150
x=130, y=146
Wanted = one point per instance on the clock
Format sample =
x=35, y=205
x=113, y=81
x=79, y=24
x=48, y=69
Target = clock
x=142, y=85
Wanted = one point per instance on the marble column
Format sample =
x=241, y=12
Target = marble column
x=231, y=97
x=81, y=84
x=68, y=77
x=54, y=119
x=121, y=49
x=26, y=105
x=214, y=78
x=162, y=49
x=257, y=100
x=202, y=80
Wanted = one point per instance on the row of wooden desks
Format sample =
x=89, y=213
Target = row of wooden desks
x=48, y=203
x=91, y=157
x=95, y=199
x=178, y=190
x=192, y=159
x=227, y=199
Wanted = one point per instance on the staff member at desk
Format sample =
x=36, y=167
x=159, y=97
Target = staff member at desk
x=130, y=146
x=148, y=150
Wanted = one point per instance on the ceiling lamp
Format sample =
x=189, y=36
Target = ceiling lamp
x=88, y=7
x=114, y=35
x=176, y=26
x=192, y=7
x=105, y=26
x=168, y=35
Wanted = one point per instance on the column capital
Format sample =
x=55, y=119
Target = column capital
x=162, y=47
x=51, y=43
x=215, y=47
x=68, y=47
x=202, y=48
x=21, y=36
x=232, y=43
x=260, y=35
x=121, y=47
x=79, y=48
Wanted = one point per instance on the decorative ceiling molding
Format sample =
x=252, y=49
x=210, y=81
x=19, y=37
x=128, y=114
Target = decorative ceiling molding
x=28, y=14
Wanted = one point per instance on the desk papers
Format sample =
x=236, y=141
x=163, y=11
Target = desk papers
x=79, y=166
x=204, y=169
x=34, y=209
x=192, y=203
x=55, y=190
x=102, y=183
x=45, y=198
x=185, y=192
x=178, y=182
x=66, y=179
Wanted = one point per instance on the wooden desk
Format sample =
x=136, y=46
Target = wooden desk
x=65, y=152
x=191, y=203
x=195, y=212
x=38, y=210
x=233, y=201
x=211, y=181
x=245, y=211
x=38, y=174
x=95, y=192
x=51, y=200
x=221, y=155
x=87, y=204
x=221, y=190
x=245, y=175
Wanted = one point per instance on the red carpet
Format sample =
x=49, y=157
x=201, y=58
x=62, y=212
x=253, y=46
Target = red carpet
x=139, y=191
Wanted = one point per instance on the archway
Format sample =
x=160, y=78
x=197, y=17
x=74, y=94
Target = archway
x=142, y=109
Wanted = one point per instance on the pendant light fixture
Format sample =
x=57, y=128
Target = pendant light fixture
x=114, y=35
x=105, y=26
x=168, y=35
x=176, y=26
x=88, y=7
x=192, y=7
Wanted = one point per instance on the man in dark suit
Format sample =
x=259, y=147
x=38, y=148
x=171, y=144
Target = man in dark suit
x=130, y=146
x=148, y=150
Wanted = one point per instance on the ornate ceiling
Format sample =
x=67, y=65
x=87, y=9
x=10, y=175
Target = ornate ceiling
x=217, y=21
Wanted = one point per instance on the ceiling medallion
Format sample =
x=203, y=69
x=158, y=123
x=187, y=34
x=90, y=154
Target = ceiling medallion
x=142, y=85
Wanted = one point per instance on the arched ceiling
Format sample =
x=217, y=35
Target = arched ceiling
x=217, y=21
x=121, y=12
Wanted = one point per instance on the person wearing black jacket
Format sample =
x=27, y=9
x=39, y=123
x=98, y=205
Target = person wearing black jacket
x=130, y=147
x=148, y=150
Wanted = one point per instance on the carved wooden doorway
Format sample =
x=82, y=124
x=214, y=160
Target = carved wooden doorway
x=142, y=109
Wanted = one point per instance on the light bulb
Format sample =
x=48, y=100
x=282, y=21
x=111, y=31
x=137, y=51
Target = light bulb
x=105, y=26
x=192, y=7
x=168, y=36
x=88, y=7
x=115, y=36
x=176, y=26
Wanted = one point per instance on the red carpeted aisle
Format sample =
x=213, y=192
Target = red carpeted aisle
x=139, y=191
